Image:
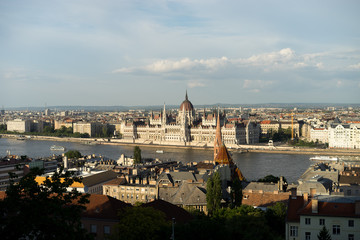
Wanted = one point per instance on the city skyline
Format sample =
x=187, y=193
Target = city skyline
x=133, y=53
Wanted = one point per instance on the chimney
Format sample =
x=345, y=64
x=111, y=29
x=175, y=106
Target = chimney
x=293, y=193
x=357, y=207
x=306, y=198
x=65, y=159
x=314, y=205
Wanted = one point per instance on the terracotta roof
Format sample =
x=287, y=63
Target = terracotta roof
x=334, y=209
x=103, y=207
x=223, y=156
x=2, y=195
x=264, y=199
x=116, y=182
x=295, y=204
x=170, y=210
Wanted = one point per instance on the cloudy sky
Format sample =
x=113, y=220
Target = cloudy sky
x=104, y=52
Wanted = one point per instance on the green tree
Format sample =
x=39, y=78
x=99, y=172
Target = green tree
x=275, y=216
x=213, y=193
x=48, y=129
x=73, y=154
x=137, y=155
x=236, y=193
x=142, y=223
x=3, y=128
x=269, y=178
x=324, y=234
x=30, y=211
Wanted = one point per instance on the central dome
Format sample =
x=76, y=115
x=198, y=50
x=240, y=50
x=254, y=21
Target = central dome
x=186, y=104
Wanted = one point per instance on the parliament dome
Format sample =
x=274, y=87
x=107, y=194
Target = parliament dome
x=186, y=104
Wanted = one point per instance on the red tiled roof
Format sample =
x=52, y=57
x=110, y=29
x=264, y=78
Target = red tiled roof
x=103, y=207
x=331, y=209
x=264, y=199
x=116, y=182
x=295, y=204
x=170, y=210
x=223, y=156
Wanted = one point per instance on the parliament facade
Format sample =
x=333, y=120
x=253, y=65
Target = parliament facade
x=188, y=126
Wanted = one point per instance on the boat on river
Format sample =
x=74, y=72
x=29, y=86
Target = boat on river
x=57, y=148
x=159, y=151
x=324, y=159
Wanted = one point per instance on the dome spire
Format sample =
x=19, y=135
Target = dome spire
x=186, y=96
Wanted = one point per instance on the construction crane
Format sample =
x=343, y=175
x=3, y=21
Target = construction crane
x=292, y=126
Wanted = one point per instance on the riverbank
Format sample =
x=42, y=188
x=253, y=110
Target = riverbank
x=259, y=148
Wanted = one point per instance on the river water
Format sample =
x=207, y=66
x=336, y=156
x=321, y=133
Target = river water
x=252, y=165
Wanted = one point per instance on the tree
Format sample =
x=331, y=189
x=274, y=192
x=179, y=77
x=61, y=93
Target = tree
x=137, y=155
x=270, y=178
x=213, y=193
x=324, y=234
x=31, y=211
x=275, y=216
x=142, y=223
x=73, y=154
x=236, y=193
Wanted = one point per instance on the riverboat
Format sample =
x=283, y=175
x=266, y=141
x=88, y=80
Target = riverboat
x=57, y=148
x=324, y=159
x=159, y=151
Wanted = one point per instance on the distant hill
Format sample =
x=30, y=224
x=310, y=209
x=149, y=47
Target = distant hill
x=159, y=107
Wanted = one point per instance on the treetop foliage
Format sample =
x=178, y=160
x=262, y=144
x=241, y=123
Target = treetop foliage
x=43, y=212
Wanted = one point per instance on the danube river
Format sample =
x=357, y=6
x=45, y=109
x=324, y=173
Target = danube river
x=252, y=165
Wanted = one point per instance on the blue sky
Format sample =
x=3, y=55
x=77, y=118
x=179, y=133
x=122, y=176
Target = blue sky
x=149, y=52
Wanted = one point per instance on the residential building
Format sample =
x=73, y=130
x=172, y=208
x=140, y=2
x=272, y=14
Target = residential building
x=344, y=136
x=306, y=217
x=19, y=125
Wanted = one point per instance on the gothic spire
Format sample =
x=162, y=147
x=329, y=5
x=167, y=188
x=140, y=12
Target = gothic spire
x=186, y=96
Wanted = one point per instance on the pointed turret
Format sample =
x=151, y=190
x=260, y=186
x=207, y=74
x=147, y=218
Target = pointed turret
x=164, y=115
x=218, y=139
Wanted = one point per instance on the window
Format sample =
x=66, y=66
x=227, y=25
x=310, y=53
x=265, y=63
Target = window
x=307, y=235
x=351, y=223
x=106, y=229
x=293, y=231
x=307, y=221
x=321, y=221
x=351, y=237
x=336, y=229
x=93, y=228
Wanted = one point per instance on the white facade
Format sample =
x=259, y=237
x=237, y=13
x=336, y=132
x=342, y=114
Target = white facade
x=344, y=136
x=19, y=125
x=320, y=135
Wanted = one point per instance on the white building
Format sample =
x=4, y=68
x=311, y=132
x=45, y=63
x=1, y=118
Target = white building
x=306, y=218
x=320, y=135
x=344, y=136
x=19, y=125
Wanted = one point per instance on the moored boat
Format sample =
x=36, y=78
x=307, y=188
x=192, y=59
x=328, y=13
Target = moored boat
x=324, y=159
x=57, y=148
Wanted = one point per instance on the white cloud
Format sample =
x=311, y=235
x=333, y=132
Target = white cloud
x=282, y=59
x=195, y=83
x=355, y=66
x=185, y=64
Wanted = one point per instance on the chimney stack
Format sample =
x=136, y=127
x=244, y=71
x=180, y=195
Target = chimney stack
x=314, y=205
x=306, y=198
x=65, y=159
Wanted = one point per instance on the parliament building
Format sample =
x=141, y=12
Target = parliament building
x=188, y=126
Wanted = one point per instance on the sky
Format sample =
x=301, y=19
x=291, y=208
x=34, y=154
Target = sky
x=111, y=53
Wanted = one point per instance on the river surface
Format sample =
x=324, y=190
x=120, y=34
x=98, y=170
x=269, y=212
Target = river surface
x=252, y=165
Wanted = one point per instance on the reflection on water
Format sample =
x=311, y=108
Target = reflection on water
x=252, y=165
